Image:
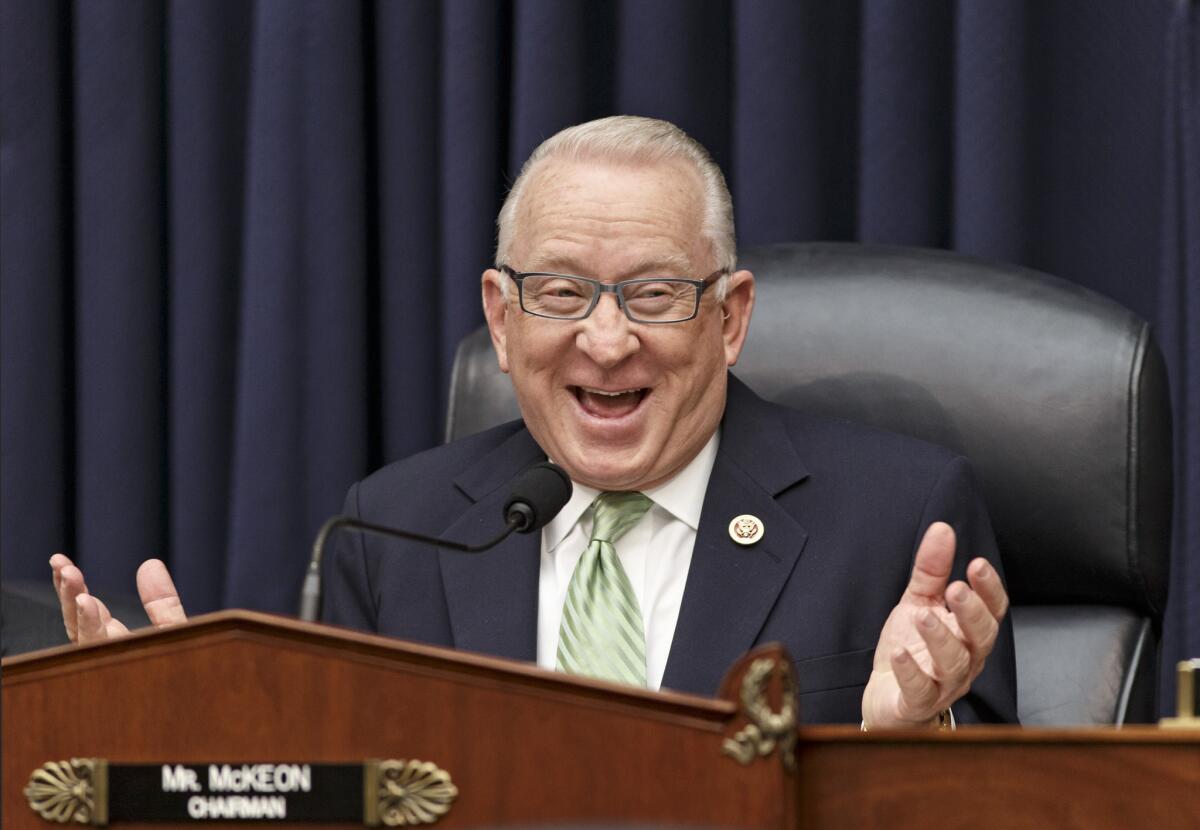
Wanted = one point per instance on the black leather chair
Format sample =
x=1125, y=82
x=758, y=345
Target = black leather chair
x=1057, y=395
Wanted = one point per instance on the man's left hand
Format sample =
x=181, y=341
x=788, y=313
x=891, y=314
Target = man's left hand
x=936, y=640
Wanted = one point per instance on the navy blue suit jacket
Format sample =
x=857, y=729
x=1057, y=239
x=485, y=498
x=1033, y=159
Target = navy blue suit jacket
x=844, y=508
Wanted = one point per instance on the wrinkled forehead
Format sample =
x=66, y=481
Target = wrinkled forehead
x=627, y=215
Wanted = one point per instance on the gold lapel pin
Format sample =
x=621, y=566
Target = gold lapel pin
x=746, y=529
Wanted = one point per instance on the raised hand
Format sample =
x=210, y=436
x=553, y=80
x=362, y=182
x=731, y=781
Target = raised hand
x=87, y=619
x=937, y=638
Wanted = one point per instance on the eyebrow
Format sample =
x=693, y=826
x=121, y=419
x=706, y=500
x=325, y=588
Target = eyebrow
x=671, y=263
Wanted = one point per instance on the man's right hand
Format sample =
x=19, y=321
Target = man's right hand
x=87, y=619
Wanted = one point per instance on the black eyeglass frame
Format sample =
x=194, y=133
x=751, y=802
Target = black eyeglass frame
x=613, y=288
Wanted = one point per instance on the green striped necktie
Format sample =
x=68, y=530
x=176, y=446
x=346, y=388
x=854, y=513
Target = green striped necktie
x=601, y=634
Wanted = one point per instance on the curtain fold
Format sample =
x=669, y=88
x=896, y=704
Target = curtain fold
x=119, y=287
x=301, y=386
x=208, y=49
x=795, y=63
x=474, y=84
x=993, y=115
x=241, y=240
x=37, y=412
x=905, y=123
x=561, y=67
x=1179, y=322
x=406, y=81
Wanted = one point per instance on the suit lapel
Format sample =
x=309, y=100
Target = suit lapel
x=493, y=596
x=731, y=588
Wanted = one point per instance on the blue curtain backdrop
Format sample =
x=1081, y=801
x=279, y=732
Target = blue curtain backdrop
x=240, y=240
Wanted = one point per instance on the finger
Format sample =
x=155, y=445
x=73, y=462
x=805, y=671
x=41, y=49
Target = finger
x=90, y=622
x=975, y=620
x=951, y=659
x=159, y=597
x=112, y=626
x=57, y=562
x=932, y=564
x=95, y=621
x=115, y=628
x=987, y=583
x=70, y=587
x=918, y=691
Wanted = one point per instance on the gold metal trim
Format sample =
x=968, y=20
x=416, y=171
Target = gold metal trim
x=767, y=729
x=70, y=792
x=1186, y=716
x=405, y=793
x=370, y=787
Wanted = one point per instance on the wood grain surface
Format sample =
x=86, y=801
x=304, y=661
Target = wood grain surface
x=521, y=744
x=528, y=747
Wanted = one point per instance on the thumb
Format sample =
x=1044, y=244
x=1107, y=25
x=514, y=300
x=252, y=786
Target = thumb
x=159, y=597
x=932, y=565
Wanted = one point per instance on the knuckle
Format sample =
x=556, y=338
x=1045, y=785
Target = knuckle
x=926, y=690
x=982, y=628
x=974, y=615
x=961, y=666
x=917, y=688
x=955, y=666
x=993, y=631
x=936, y=632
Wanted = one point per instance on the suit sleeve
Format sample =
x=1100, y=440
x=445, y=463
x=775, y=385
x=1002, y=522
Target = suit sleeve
x=956, y=500
x=348, y=599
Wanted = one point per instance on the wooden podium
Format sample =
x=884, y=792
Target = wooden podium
x=471, y=741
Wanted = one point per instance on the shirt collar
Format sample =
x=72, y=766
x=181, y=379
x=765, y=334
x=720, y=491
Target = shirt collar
x=682, y=495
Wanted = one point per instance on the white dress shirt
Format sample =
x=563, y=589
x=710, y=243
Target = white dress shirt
x=656, y=554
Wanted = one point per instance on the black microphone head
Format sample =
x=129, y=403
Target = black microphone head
x=537, y=496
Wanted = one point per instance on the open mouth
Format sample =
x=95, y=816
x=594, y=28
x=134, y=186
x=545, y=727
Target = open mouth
x=603, y=403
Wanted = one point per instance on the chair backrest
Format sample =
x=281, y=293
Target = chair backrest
x=1057, y=395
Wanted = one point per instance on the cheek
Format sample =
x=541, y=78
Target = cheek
x=537, y=359
x=694, y=375
x=531, y=348
x=706, y=358
x=709, y=379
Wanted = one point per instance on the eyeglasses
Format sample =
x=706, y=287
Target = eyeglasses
x=647, y=300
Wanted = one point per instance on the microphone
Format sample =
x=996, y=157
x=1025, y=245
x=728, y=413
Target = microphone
x=537, y=496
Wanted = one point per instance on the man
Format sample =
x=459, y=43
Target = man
x=617, y=309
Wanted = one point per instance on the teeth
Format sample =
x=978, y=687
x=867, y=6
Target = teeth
x=608, y=394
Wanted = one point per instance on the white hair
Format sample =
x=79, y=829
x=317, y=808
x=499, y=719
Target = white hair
x=639, y=140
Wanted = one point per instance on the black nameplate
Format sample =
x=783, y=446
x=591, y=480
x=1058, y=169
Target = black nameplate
x=235, y=792
x=376, y=792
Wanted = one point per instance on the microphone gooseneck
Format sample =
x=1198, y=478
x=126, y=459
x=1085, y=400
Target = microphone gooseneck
x=537, y=496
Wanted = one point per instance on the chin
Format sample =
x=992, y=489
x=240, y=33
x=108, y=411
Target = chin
x=611, y=473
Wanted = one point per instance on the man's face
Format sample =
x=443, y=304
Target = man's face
x=620, y=405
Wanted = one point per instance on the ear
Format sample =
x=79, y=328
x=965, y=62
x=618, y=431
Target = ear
x=737, y=308
x=496, y=311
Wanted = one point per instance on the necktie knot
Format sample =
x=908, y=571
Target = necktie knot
x=615, y=513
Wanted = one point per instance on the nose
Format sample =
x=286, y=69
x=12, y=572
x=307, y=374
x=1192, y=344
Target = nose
x=606, y=335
